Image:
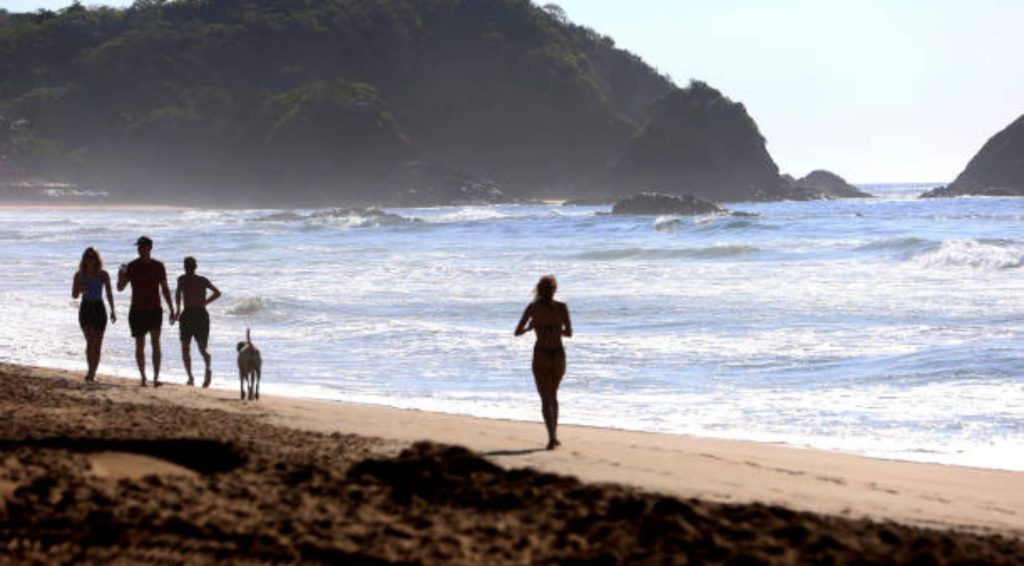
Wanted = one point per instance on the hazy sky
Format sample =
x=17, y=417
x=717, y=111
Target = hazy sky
x=875, y=90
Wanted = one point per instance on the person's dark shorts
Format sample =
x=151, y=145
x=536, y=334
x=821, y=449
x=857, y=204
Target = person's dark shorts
x=194, y=322
x=92, y=315
x=143, y=321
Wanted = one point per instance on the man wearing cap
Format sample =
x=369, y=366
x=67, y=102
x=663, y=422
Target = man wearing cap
x=149, y=280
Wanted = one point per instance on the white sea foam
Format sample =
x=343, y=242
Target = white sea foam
x=973, y=254
x=666, y=223
x=465, y=214
x=246, y=306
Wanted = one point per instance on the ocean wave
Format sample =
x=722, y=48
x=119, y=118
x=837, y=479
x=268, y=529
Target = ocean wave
x=718, y=223
x=359, y=221
x=208, y=216
x=468, y=214
x=902, y=247
x=247, y=306
x=711, y=252
x=342, y=218
x=988, y=254
x=666, y=223
x=706, y=223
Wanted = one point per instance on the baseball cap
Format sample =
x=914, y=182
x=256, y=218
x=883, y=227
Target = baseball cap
x=144, y=241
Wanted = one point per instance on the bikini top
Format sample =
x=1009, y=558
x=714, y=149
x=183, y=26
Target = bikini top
x=93, y=288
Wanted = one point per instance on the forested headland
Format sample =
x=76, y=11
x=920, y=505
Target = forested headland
x=321, y=102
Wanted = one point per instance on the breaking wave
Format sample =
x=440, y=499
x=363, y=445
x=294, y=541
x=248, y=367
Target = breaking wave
x=341, y=218
x=903, y=248
x=247, y=306
x=972, y=254
x=468, y=214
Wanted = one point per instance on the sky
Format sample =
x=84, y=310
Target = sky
x=874, y=90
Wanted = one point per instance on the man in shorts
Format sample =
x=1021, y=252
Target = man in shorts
x=149, y=280
x=194, y=321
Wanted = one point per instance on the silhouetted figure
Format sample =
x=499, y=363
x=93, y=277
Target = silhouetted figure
x=193, y=320
x=89, y=283
x=149, y=280
x=549, y=319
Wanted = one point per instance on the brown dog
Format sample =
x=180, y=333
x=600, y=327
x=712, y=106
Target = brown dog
x=250, y=367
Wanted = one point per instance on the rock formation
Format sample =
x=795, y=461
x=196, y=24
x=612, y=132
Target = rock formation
x=658, y=204
x=823, y=184
x=997, y=170
x=699, y=142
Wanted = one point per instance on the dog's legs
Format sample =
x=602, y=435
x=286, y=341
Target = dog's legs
x=248, y=381
x=241, y=382
x=259, y=375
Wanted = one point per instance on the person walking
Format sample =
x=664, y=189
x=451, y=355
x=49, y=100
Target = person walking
x=148, y=279
x=193, y=320
x=549, y=319
x=89, y=283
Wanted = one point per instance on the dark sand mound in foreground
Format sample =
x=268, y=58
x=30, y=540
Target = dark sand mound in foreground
x=237, y=488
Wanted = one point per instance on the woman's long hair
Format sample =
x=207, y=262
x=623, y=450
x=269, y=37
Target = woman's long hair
x=545, y=290
x=90, y=253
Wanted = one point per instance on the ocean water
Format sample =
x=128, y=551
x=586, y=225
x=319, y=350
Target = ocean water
x=890, y=327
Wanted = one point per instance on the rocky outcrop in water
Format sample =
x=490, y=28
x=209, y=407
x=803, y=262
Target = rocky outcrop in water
x=997, y=170
x=821, y=184
x=659, y=204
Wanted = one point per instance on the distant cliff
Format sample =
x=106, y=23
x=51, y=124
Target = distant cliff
x=997, y=170
x=326, y=102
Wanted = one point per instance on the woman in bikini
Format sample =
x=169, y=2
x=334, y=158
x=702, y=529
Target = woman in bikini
x=89, y=283
x=549, y=319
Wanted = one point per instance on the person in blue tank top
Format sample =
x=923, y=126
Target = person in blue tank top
x=89, y=283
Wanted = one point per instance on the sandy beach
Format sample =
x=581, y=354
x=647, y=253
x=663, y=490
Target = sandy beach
x=91, y=472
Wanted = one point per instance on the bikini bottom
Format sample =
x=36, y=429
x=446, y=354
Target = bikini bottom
x=552, y=352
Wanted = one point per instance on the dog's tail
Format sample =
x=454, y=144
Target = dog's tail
x=247, y=339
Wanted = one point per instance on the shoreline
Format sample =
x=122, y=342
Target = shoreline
x=126, y=375
x=718, y=470
x=612, y=429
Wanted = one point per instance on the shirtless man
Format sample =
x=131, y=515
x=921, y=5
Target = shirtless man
x=148, y=279
x=194, y=321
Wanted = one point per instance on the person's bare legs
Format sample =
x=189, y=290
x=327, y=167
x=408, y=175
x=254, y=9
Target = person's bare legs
x=97, y=353
x=547, y=375
x=89, y=335
x=186, y=357
x=154, y=337
x=94, y=344
x=140, y=357
x=206, y=359
x=557, y=373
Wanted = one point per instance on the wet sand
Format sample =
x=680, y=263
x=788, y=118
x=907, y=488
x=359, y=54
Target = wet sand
x=97, y=472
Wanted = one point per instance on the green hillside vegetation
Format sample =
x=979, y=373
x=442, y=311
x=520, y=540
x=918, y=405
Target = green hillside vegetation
x=331, y=101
